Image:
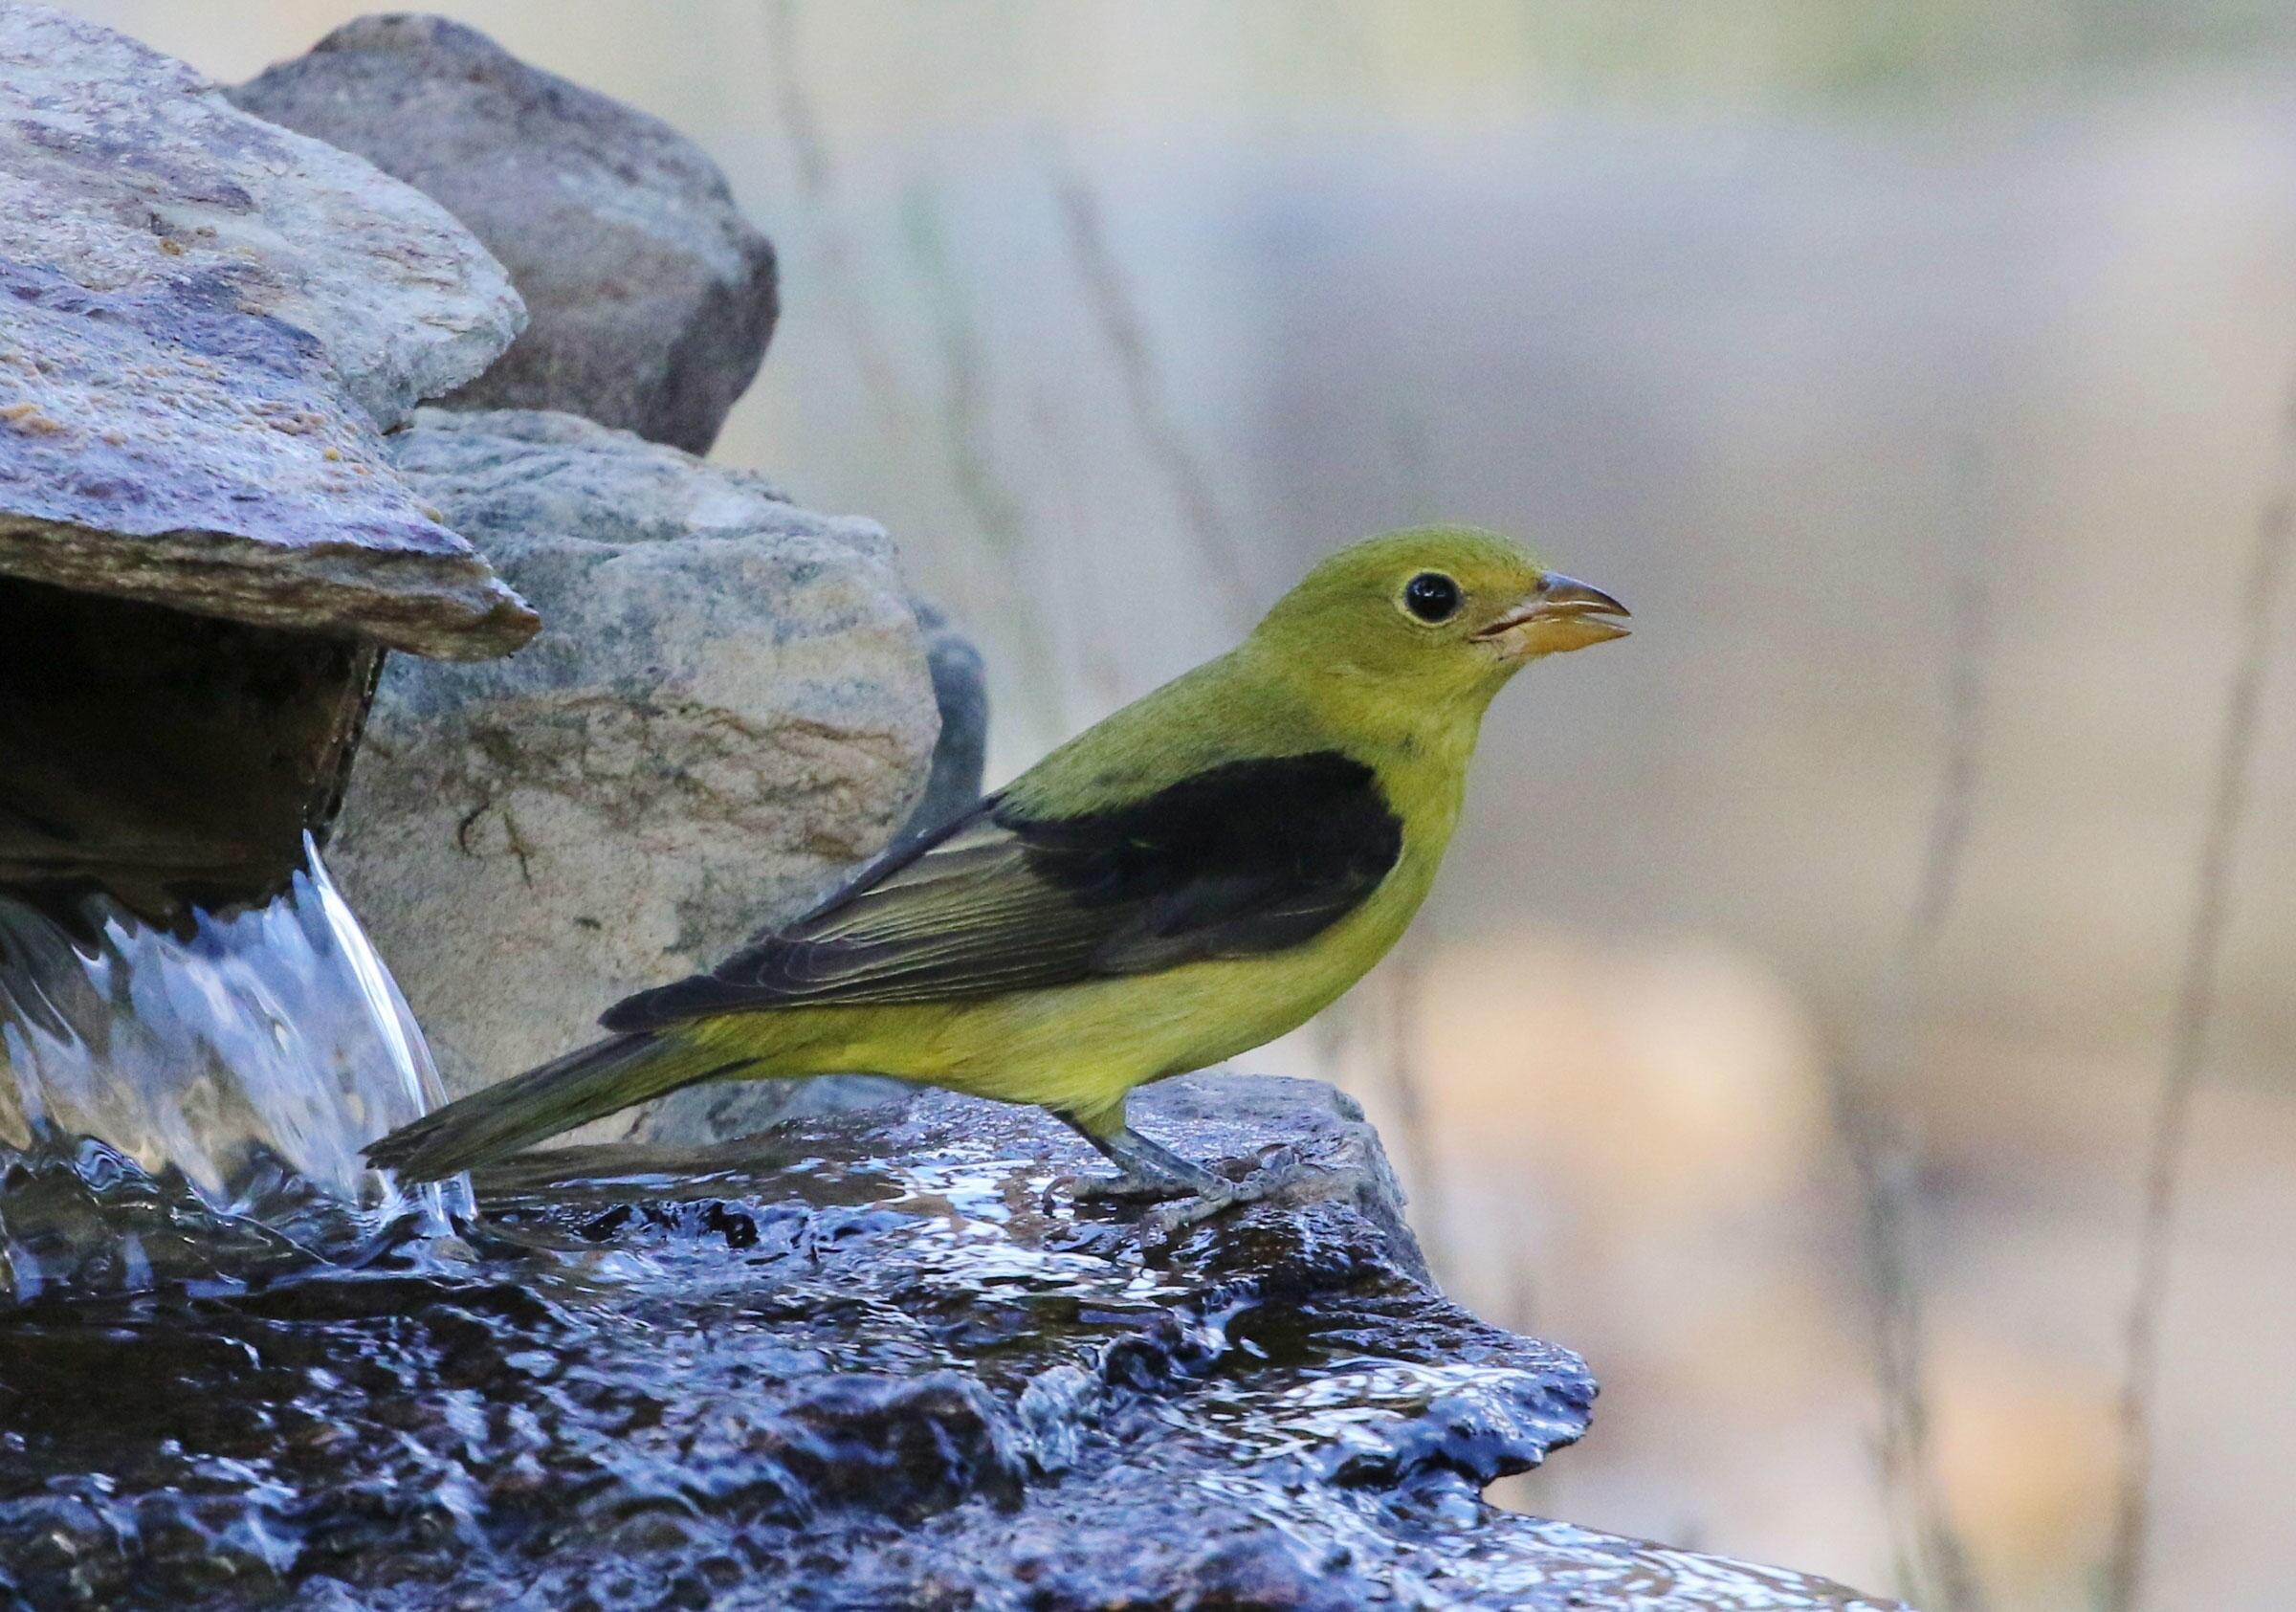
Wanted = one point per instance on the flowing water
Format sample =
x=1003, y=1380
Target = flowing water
x=875, y=1361
x=181, y=1101
x=878, y=1359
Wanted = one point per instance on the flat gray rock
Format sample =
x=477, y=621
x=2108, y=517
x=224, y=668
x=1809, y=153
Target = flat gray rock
x=729, y=705
x=203, y=321
x=123, y=168
x=652, y=299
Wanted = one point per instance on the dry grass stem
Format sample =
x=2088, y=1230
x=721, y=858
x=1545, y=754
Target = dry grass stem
x=2187, y=1036
x=1407, y=1090
x=996, y=507
x=841, y=278
x=1885, y=1060
x=1117, y=314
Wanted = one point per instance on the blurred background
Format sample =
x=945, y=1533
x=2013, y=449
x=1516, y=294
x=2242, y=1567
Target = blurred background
x=1916, y=372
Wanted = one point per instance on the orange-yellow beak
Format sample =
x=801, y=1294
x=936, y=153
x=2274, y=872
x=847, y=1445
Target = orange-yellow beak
x=1562, y=613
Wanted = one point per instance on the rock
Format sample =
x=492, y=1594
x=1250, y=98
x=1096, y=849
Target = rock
x=157, y=444
x=875, y=1363
x=242, y=738
x=126, y=173
x=652, y=298
x=729, y=705
x=203, y=321
x=961, y=693
x=719, y=1111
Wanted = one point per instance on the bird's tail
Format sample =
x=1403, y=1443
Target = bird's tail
x=586, y=1084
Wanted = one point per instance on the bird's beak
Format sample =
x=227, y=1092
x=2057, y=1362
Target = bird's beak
x=1561, y=615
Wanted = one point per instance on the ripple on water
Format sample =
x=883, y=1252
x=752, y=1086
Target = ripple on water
x=840, y=1381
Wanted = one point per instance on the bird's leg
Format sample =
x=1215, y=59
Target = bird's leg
x=1148, y=1170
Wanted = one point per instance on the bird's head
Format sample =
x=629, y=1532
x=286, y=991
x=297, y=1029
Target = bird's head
x=1433, y=614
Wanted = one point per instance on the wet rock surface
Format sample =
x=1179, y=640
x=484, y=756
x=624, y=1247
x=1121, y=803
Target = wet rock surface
x=878, y=1362
x=729, y=705
x=652, y=298
x=204, y=322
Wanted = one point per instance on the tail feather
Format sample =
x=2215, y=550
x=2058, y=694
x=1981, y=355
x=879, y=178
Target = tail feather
x=587, y=1083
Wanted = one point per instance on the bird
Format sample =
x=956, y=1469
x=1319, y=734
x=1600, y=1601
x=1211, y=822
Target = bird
x=1194, y=875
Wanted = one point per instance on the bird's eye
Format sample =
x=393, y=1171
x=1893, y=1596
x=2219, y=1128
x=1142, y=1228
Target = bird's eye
x=1431, y=597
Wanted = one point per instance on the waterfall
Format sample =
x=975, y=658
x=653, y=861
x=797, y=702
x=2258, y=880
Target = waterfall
x=201, y=1087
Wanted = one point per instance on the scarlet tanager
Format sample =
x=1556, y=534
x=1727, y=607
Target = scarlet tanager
x=1195, y=875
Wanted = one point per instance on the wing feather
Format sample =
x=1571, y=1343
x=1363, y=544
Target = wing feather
x=1243, y=858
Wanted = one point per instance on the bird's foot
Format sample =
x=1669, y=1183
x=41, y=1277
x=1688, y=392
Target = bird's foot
x=1281, y=1171
x=1146, y=1171
x=1184, y=1192
x=1127, y=1188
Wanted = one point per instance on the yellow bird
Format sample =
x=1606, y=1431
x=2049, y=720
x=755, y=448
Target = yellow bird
x=1196, y=874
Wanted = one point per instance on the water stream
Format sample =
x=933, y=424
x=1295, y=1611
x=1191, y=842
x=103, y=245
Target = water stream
x=874, y=1359
x=176, y=1103
x=871, y=1362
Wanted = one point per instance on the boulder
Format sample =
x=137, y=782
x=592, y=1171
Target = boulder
x=126, y=170
x=159, y=444
x=729, y=705
x=652, y=298
x=878, y=1362
x=203, y=321
x=721, y=1110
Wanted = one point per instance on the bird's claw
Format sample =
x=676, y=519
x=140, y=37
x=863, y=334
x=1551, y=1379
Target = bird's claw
x=1168, y=1220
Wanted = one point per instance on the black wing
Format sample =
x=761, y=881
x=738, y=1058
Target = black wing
x=1247, y=857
